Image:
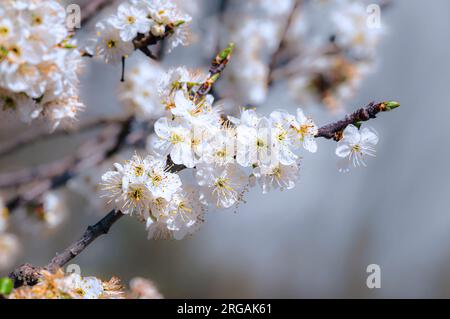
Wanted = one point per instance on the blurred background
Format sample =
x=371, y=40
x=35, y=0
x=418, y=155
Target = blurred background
x=317, y=239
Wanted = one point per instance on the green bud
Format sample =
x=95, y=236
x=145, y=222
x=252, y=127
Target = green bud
x=226, y=52
x=358, y=124
x=6, y=286
x=215, y=77
x=180, y=22
x=391, y=105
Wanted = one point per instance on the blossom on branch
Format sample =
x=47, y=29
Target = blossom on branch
x=39, y=62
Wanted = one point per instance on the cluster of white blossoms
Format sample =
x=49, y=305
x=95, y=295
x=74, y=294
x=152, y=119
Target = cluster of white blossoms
x=327, y=49
x=39, y=63
x=137, y=19
x=9, y=243
x=59, y=285
x=146, y=188
x=227, y=155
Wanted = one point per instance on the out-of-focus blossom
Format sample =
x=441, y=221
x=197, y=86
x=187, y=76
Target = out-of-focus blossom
x=39, y=63
x=141, y=288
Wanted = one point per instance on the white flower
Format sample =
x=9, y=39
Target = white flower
x=220, y=149
x=110, y=45
x=130, y=20
x=305, y=130
x=177, y=218
x=354, y=145
x=173, y=138
x=136, y=185
x=253, y=144
x=277, y=176
x=221, y=185
x=160, y=182
x=81, y=288
x=281, y=139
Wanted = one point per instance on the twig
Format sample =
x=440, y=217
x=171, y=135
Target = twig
x=34, y=137
x=28, y=274
x=93, y=7
x=282, y=43
x=92, y=232
x=57, y=174
x=334, y=130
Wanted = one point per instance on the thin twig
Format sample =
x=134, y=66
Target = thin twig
x=55, y=175
x=28, y=274
x=92, y=232
x=33, y=137
x=92, y=8
x=282, y=43
x=334, y=130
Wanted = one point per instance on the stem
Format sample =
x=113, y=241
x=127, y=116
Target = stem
x=334, y=130
x=282, y=43
x=55, y=175
x=34, y=137
x=92, y=8
x=92, y=232
x=28, y=274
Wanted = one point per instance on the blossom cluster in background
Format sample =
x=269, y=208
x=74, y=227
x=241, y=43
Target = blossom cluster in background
x=39, y=63
x=60, y=285
x=134, y=21
x=322, y=54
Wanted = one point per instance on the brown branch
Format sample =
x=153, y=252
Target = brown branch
x=90, y=154
x=29, y=275
x=282, y=43
x=92, y=232
x=334, y=130
x=33, y=137
x=93, y=7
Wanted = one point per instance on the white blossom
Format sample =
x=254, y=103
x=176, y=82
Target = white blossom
x=81, y=288
x=221, y=185
x=355, y=145
x=277, y=176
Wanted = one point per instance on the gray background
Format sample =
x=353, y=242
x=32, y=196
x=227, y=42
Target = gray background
x=315, y=240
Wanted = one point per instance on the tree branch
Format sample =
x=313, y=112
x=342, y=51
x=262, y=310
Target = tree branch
x=93, y=7
x=55, y=175
x=334, y=130
x=28, y=274
x=92, y=232
x=32, y=137
x=282, y=43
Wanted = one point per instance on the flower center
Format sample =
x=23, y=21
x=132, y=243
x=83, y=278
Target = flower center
x=222, y=182
x=111, y=43
x=260, y=143
x=175, y=138
x=131, y=19
x=4, y=31
x=136, y=194
x=356, y=148
x=138, y=170
x=156, y=179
